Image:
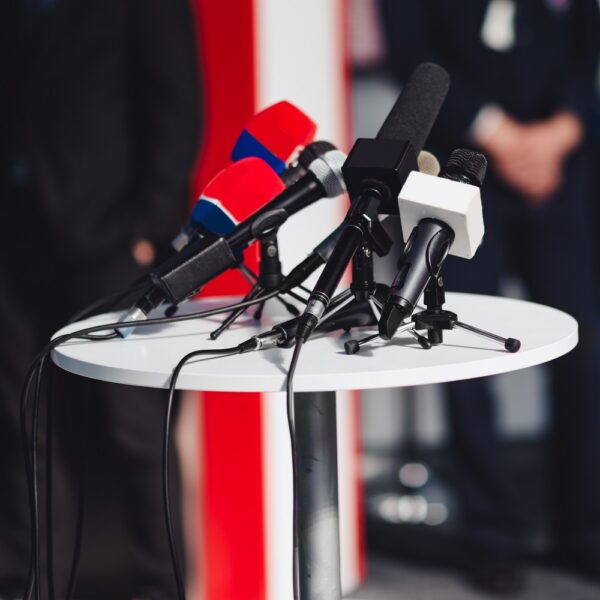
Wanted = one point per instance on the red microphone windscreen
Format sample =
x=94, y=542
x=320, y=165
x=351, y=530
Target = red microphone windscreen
x=244, y=186
x=241, y=189
x=282, y=128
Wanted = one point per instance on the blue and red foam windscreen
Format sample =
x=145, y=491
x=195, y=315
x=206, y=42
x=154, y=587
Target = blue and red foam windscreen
x=211, y=214
x=233, y=195
x=275, y=134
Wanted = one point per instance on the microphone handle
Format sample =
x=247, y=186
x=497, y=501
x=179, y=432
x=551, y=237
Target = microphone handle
x=425, y=251
x=332, y=274
x=293, y=199
x=319, y=256
x=342, y=254
x=356, y=226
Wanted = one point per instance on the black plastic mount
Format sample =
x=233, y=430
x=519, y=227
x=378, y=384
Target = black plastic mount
x=434, y=319
x=270, y=275
x=380, y=164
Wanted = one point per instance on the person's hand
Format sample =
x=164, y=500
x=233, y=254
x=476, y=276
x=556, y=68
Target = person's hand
x=527, y=159
x=530, y=157
x=143, y=253
x=548, y=144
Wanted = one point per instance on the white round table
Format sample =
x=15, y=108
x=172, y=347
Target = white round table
x=149, y=355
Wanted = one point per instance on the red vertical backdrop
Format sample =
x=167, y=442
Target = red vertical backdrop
x=231, y=504
x=225, y=41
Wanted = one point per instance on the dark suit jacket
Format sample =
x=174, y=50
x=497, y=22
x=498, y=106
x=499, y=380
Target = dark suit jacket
x=550, y=67
x=99, y=100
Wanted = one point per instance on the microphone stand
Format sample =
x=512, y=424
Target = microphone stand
x=360, y=305
x=435, y=320
x=270, y=278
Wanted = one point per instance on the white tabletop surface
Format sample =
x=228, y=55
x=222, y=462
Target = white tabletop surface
x=148, y=356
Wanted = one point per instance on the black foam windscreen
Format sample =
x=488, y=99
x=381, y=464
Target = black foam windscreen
x=417, y=107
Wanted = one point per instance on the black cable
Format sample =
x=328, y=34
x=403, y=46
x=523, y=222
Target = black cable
x=292, y=429
x=34, y=469
x=166, y=443
x=35, y=371
x=27, y=458
x=249, y=275
x=75, y=559
x=149, y=322
x=49, y=490
x=98, y=338
x=109, y=300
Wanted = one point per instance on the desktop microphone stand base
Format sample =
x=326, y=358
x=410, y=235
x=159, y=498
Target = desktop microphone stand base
x=435, y=320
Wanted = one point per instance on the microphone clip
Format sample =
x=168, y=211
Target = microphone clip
x=364, y=215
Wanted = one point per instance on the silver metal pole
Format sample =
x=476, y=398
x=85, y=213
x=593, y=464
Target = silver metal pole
x=316, y=516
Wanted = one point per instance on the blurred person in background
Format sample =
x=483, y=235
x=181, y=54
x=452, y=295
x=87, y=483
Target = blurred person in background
x=99, y=122
x=522, y=91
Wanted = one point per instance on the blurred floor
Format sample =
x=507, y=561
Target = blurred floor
x=390, y=579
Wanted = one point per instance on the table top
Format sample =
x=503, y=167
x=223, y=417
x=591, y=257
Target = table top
x=149, y=355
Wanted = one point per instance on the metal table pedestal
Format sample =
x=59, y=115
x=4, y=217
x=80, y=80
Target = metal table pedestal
x=316, y=514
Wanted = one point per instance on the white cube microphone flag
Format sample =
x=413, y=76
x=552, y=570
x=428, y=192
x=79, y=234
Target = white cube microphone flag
x=456, y=203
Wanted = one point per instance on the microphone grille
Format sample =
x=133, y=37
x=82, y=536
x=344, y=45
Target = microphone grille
x=314, y=150
x=328, y=170
x=466, y=164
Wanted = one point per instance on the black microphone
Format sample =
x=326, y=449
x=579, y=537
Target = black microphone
x=250, y=179
x=300, y=167
x=319, y=256
x=432, y=239
x=284, y=334
x=184, y=274
x=375, y=172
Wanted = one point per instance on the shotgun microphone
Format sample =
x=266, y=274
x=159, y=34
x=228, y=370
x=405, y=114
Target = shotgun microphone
x=375, y=172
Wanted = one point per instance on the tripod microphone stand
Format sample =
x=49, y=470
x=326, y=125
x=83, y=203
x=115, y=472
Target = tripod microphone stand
x=269, y=279
x=435, y=320
x=360, y=305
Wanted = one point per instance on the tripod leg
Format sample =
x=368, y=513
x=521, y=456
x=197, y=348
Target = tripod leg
x=354, y=346
x=375, y=308
x=259, y=311
x=423, y=341
x=227, y=322
x=510, y=344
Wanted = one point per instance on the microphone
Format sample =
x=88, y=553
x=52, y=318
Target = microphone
x=375, y=172
x=185, y=273
x=319, y=256
x=440, y=216
x=300, y=167
x=284, y=334
x=275, y=134
x=208, y=216
x=427, y=163
x=250, y=179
